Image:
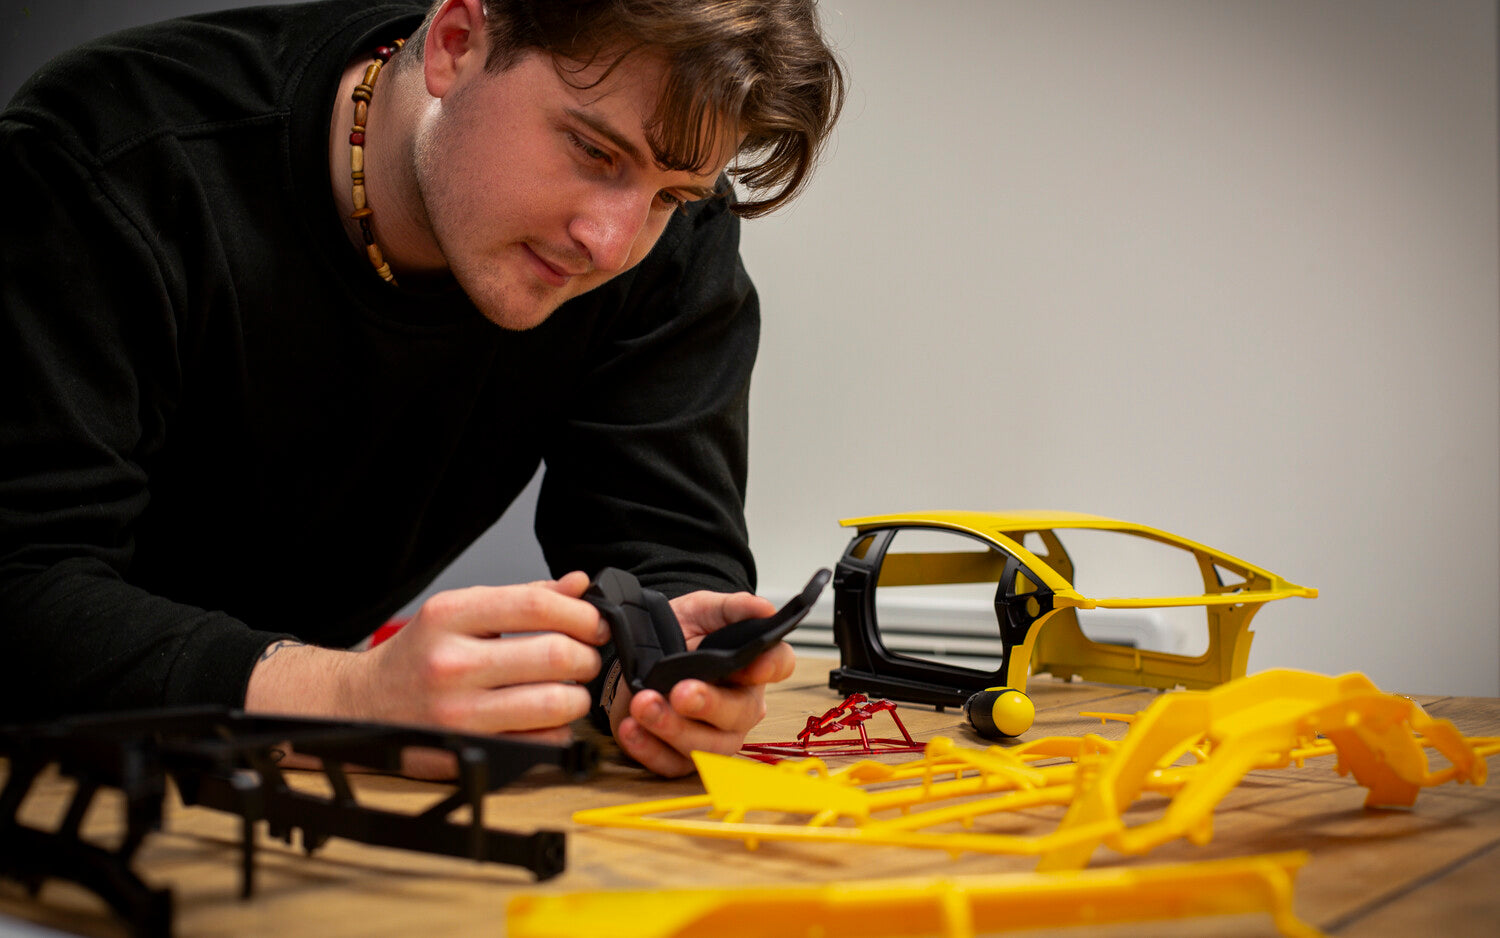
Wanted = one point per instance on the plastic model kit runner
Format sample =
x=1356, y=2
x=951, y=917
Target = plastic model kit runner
x=1266, y=721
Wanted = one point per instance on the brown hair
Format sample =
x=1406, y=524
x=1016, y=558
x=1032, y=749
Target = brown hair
x=754, y=67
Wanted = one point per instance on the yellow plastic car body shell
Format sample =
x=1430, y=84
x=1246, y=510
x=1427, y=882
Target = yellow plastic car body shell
x=1053, y=641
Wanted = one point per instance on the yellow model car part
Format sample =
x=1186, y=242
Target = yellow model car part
x=955, y=907
x=1265, y=721
x=1240, y=724
x=1036, y=605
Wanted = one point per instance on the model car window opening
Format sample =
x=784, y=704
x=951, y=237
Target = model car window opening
x=949, y=597
x=1112, y=564
x=871, y=664
x=1184, y=585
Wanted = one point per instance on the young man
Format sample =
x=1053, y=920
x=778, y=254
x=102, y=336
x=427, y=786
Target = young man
x=290, y=316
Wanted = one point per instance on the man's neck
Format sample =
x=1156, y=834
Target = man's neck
x=391, y=192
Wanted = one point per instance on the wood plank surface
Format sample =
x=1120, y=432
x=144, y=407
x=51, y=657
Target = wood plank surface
x=1372, y=872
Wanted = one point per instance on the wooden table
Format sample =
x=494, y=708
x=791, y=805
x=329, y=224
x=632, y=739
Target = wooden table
x=1433, y=868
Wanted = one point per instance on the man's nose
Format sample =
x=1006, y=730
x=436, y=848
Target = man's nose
x=609, y=227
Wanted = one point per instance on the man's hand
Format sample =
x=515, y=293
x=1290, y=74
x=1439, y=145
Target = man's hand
x=500, y=659
x=659, y=733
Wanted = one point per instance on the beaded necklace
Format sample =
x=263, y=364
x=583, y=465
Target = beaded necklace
x=362, y=210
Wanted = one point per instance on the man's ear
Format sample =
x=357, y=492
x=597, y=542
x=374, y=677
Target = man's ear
x=455, y=43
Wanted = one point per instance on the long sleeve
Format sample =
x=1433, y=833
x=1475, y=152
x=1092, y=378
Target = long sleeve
x=647, y=468
x=89, y=361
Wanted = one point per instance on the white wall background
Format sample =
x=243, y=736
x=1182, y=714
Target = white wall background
x=1229, y=269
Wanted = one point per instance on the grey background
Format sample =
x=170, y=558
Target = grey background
x=1227, y=268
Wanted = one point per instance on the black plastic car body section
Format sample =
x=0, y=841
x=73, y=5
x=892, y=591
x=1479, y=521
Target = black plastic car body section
x=649, y=641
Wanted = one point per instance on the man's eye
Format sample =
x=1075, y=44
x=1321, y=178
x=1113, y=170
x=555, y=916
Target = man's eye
x=670, y=201
x=588, y=149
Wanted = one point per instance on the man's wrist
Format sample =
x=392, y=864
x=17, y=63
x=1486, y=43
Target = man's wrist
x=293, y=677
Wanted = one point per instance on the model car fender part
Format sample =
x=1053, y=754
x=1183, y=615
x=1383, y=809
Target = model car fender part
x=955, y=907
x=1267, y=721
x=1036, y=603
x=649, y=640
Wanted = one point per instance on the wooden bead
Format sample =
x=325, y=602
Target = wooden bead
x=362, y=94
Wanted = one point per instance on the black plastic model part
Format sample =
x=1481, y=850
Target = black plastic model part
x=867, y=666
x=226, y=759
x=648, y=639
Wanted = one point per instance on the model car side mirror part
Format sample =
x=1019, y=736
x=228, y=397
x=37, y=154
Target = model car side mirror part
x=648, y=638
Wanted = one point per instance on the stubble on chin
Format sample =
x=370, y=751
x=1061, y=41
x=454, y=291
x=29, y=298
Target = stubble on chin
x=508, y=305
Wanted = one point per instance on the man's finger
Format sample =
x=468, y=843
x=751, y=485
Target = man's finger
x=650, y=751
x=523, y=707
x=732, y=710
x=489, y=611
x=556, y=736
x=529, y=659
x=677, y=731
x=769, y=667
x=569, y=584
x=702, y=612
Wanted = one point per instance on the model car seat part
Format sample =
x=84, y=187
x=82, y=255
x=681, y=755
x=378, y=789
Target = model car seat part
x=653, y=653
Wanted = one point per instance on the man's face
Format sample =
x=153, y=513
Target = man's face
x=536, y=191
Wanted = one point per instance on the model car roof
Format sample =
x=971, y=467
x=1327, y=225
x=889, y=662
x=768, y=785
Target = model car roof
x=992, y=525
x=995, y=520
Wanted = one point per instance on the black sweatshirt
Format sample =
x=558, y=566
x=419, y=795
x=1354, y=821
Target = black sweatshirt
x=218, y=426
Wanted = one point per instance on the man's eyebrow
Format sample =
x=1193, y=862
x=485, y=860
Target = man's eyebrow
x=622, y=143
x=601, y=127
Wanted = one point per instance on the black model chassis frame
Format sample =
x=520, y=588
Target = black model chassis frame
x=227, y=759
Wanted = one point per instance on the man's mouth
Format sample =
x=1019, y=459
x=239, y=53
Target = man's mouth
x=550, y=271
